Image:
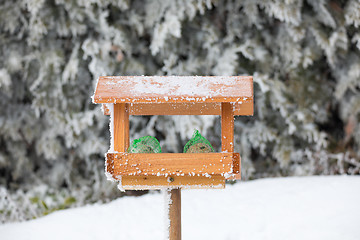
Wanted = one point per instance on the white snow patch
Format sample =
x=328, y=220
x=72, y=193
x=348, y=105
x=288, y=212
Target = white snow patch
x=111, y=126
x=294, y=208
x=190, y=88
x=207, y=175
x=227, y=175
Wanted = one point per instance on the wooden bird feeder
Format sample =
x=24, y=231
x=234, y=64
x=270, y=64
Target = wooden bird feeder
x=173, y=95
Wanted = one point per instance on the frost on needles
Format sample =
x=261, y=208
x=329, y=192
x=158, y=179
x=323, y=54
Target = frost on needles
x=304, y=56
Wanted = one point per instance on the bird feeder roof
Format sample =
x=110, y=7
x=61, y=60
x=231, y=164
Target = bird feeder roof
x=173, y=89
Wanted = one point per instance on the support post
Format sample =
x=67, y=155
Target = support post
x=121, y=127
x=227, y=127
x=227, y=130
x=175, y=214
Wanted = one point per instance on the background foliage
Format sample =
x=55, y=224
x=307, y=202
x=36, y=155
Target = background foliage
x=304, y=56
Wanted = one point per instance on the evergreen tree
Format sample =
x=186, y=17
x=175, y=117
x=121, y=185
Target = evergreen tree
x=304, y=56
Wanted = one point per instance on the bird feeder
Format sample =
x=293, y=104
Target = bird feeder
x=123, y=96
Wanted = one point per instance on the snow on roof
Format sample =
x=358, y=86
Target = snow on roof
x=159, y=89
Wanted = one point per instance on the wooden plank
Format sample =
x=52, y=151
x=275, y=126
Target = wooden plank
x=120, y=137
x=105, y=109
x=173, y=89
x=227, y=132
x=237, y=166
x=175, y=109
x=179, y=164
x=244, y=108
x=161, y=182
x=121, y=127
x=227, y=127
x=109, y=165
x=174, y=213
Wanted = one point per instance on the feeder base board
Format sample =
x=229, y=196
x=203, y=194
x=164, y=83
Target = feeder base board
x=161, y=182
x=172, y=164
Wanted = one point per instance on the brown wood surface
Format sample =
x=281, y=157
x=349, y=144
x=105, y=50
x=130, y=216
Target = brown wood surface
x=227, y=127
x=173, y=89
x=109, y=163
x=227, y=133
x=161, y=182
x=121, y=127
x=105, y=109
x=174, y=214
x=244, y=108
x=179, y=164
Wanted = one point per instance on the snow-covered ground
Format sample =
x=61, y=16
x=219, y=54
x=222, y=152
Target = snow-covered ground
x=283, y=208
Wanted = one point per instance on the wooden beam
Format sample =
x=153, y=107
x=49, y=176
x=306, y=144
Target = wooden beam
x=174, y=213
x=175, y=109
x=121, y=127
x=161, y=182
x=237, y=165
x=227, y=127
x=105, y=109
x=227, y=131
x=109, y=164
x=244, y=108
x=178, y=164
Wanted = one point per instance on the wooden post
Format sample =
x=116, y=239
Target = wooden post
x=121, y=127
x=227, y=127
x=227, y=130
x=175, y=214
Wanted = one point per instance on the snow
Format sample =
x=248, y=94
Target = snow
x=177, y=85
x=279, y=208
x=172, y=88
